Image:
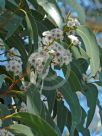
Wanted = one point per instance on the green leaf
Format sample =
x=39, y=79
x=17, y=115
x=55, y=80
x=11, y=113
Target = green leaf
x=71, y=98
x=50, y=95
x=35, y=123
x=61, y=115
x=91, y=46
x=80, y=127
x=34, y=3
x=91, y=94
x=17, y=42
x=100, y=76
x=43, y=23
x=12, y=25
x=32, y=30
x=3, y=112
x=76, y=7
x=37, y=107
x=52, y=11
x=74, y=81
x=100, y=109
x=34, y=104
x=2, y=77
x=79, y=53
x=2, y=4
x=21, y=130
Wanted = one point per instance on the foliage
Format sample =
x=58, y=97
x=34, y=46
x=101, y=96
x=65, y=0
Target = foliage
x=36, y=41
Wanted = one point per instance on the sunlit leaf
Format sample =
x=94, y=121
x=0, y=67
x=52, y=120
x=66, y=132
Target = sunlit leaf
x=35, y=123
x=20, y=129
x=52, y=11
x=91, y=94
x=91, y=46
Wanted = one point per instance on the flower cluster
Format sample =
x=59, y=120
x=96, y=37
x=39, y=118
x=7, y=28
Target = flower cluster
x=73, y=22
x=38, y=61
x=74, y=40
x=50, y=36
x=61, y=55
x=14, y=66
x=14, y=63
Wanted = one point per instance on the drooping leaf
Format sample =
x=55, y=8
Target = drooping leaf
x=61, y=115
x=100, y=109
x=79, y=53
x=50, y=95
x=20, y=129
x=80, y=126
x=3, y=112
x=79, y=67
x=9, y=22
x=91, y=46
x=71, y=98
x=34, y=104
x=35, y=123
x=52, y=11
x=74, y=81
x=32, y=30
x=91, y=94
x=37, y=107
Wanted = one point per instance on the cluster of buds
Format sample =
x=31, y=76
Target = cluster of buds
x=61, y=55
x=74, y=40
x=72, y=24
x=14, y=63
x=53, y=35
x=38, y=60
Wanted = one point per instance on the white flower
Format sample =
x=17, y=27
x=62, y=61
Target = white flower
x=14, y=66
x=74, y=40
x=73, y=22
x=57, y=34
x=15, y=63
x=61, y=55
x=47, y=39
x=38, y=61
x=50, y=36
x=46, y=33
x=4, y=132
x=23, y=107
